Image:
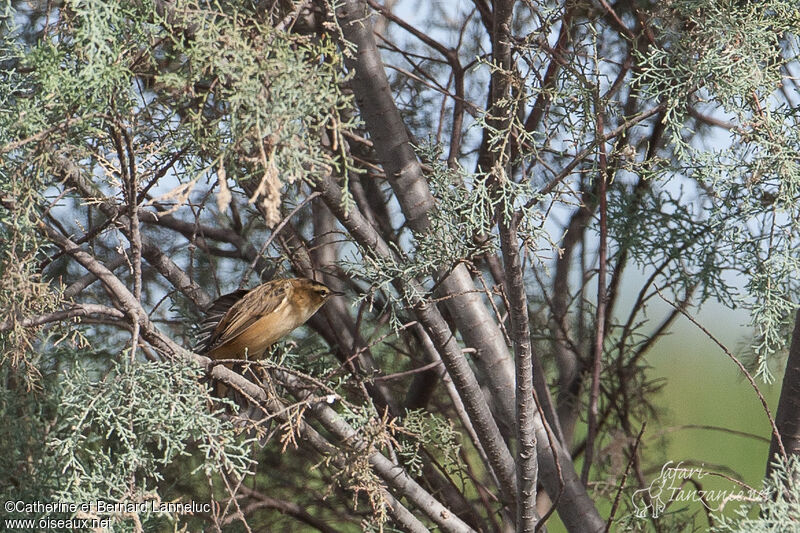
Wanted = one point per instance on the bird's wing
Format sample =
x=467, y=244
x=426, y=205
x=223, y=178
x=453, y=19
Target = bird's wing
x=246, y=311
x=214, y=314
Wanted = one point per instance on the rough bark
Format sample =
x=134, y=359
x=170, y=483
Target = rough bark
x=526, y=460
x=527, y=465
x=787, y=417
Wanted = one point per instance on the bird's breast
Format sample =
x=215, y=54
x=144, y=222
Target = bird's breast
x=267, y=330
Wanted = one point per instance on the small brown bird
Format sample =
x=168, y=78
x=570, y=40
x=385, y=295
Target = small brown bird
x=247, y=322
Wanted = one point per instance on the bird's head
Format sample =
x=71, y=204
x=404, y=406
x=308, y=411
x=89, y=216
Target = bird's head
x=316, y=293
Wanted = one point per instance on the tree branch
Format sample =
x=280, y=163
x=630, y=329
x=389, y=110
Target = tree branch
x=394, y=475
x=428, y=315
x=786, y=438
x=65, y=314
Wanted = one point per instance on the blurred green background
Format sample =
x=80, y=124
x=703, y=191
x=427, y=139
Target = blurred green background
x=705, y=388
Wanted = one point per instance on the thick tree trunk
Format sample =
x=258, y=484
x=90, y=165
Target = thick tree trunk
x=788, y=416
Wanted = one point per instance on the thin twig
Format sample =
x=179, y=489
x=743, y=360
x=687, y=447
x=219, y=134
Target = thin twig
x=398, y=375
x=274, y=234
x=741, y=367
x=634, y=451
x=580, y=156
x=602, y=299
